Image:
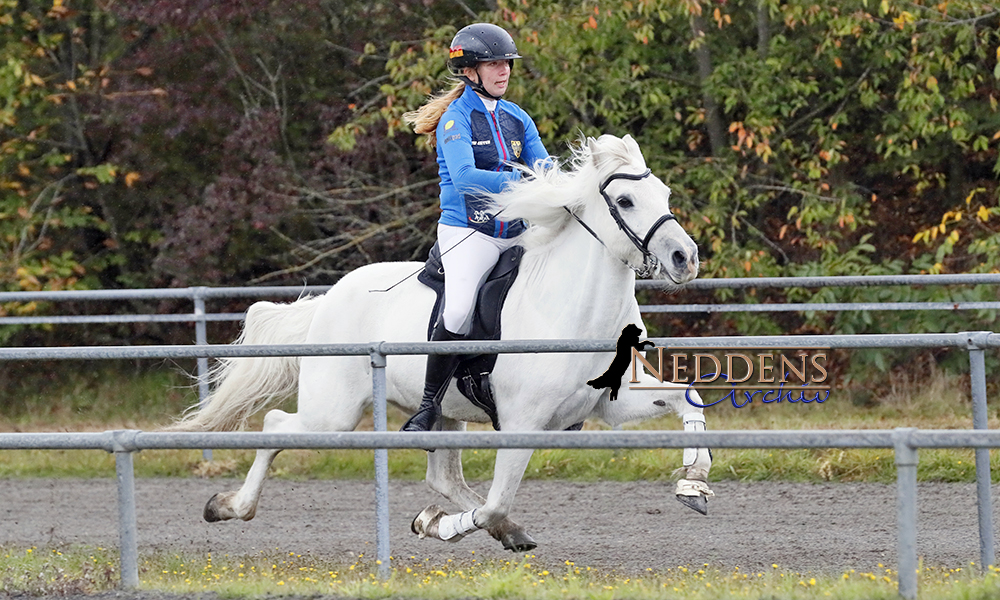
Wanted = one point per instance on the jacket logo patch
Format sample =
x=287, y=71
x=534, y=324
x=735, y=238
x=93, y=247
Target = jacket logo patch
x=481, y=142
x=480, y=216
x=515, y=147
x=449, y=125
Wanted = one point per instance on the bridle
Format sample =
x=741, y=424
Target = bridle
x=649, y=261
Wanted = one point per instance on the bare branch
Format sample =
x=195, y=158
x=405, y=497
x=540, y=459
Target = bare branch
x=326, y=197
x=791, y=190
x=355, y=242
x=765, y=239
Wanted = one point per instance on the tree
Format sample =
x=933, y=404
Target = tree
x=859, y=137
x=46, y=165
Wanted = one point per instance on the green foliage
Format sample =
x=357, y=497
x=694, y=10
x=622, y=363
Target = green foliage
x=855, y=138
x=39, y=224
x=143, y=144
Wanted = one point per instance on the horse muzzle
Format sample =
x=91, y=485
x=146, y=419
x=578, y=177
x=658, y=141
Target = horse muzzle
x=678, y=260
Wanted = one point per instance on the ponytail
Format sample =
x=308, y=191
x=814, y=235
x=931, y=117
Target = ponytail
x=425, y=119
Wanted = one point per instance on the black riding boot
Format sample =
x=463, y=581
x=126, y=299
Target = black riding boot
x=440, y=370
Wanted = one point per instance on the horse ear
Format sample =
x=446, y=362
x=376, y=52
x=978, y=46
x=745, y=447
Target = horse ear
x=594, y=149
x=632, y=145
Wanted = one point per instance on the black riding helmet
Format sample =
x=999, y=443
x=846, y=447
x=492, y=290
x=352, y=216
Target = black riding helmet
x=476, y=43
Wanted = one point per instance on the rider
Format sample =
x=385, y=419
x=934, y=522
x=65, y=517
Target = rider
x=477, y=136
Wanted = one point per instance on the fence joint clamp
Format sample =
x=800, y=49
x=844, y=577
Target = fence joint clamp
x=976, y=340
x=377, y=355
x=902, y=441
x=123, y=440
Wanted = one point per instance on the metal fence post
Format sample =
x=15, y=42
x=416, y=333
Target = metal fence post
x=128, y=547
x=980, y=420
x=906, y=511
x=382, y=548
x=201, y=339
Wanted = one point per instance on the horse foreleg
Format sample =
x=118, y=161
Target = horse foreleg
x=633, y=405
x=445, y=476
x=693, y=491
x=242, y=504
x=434, y=522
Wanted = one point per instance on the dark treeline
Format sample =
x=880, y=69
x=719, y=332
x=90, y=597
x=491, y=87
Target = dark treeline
x=190, y=142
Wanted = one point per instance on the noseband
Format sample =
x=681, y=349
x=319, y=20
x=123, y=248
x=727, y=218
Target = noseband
x=649, y=261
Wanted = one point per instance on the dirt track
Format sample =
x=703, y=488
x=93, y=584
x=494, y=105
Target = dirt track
x=625, y=526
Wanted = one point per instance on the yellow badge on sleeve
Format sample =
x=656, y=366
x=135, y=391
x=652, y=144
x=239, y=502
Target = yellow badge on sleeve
x=449, y=125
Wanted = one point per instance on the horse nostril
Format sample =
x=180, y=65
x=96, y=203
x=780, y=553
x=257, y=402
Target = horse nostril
x=680, y=259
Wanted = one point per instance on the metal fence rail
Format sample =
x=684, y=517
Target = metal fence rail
x=124, y=443
x=905, y=443
x=198, y=296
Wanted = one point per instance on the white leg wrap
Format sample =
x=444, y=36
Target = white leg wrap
x=691, y=487
x=457, y=526
x=692, y=422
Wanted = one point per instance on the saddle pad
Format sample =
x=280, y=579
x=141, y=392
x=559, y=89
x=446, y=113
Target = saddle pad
x=473, y=372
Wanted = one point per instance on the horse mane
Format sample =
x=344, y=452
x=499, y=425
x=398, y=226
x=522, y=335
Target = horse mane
x=546, y=190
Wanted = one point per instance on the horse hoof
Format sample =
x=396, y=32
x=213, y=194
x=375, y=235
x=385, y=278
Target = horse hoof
x=698, y=503
x=211, y=512
x=220, y=508
x=426, y=522
x=518, y=541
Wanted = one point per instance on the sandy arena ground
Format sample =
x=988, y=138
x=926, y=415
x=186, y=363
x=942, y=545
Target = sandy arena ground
x=627, y=527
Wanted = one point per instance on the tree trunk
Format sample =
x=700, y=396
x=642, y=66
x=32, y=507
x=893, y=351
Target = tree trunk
x=713, y=121
x=763, y=29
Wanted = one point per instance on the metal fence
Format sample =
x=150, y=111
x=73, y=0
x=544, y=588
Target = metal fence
x=124, y=443
x=905, y=442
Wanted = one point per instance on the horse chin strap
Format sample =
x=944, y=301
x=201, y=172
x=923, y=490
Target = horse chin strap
x=650, y=264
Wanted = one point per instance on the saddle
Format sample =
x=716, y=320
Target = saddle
x=474, y=371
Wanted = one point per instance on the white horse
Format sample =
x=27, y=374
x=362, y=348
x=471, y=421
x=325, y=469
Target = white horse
x=591, y=227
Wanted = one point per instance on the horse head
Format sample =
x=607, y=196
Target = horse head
x=635, y=221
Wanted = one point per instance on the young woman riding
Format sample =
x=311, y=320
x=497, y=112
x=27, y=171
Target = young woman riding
x=477, y=135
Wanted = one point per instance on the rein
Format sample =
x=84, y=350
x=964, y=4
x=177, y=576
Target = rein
x=649, y=261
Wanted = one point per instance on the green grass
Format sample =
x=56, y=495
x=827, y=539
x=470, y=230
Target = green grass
x=86, y=570
x=109, y=398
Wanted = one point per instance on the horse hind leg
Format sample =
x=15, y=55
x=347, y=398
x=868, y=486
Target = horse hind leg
x=315, y=413
x=445, y=476
x=242, y=503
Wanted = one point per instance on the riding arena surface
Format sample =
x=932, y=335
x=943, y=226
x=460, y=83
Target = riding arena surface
x=618, y=527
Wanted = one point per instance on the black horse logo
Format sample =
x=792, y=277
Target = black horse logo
x=612, y=378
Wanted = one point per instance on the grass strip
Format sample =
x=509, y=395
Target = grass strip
x=99, y=400
x=88, y=570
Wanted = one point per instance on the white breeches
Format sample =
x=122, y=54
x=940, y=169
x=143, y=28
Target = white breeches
x=468, y=257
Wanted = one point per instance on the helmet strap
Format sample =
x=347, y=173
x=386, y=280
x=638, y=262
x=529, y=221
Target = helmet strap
x=477, y=86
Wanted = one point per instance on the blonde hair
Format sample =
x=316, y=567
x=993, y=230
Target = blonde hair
x=425, y=119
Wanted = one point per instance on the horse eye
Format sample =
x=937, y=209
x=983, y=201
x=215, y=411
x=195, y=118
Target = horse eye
x=625, y=202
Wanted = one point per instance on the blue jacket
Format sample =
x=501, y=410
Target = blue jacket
x=473, y=146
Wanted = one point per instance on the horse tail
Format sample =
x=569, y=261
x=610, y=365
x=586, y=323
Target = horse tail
x=244, y=386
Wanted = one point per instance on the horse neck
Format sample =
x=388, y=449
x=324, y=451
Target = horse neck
x=576, y=287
